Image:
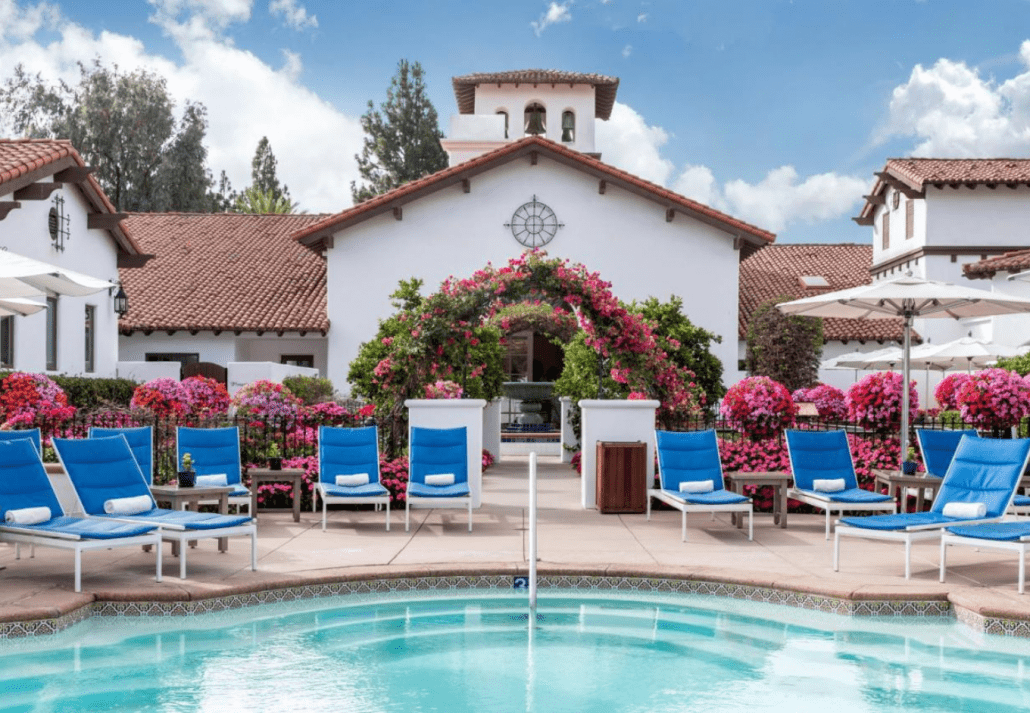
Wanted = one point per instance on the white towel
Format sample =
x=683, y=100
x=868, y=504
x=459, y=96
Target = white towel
x=353, y=479
x=829, y=486
x=214, y=480
x=440, y=479
x=697, y=486
x=27, y=516
x=966, y=511
x=128, y=506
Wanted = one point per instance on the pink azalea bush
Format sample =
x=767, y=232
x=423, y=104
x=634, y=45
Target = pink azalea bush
x=488, y=459
x=994, y=398
x=829, y=401
x=758, y=407
x=946, y=392
x=265, y=398
x=444, y=389
x=164, y=397
x=205, y=397
x=31, y=398
x=875, y=400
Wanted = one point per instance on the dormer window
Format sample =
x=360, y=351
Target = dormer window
x=568, y=127
x=505, y=115
x=814, y=282
x=536, y=120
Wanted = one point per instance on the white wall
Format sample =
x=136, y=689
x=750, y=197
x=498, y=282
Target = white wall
x=622, y=236
x=144, y=371
x=556, y=100
x=242, y=373
x=272, y=348
x=93, y=252
x=219, y=349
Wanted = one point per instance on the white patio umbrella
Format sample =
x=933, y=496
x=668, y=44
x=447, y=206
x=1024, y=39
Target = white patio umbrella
x=19, y=306
x=886, y=358
x=969, y=352
x=906, y=297
x=22, y=276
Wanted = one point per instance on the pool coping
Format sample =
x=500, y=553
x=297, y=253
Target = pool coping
x=967, y=608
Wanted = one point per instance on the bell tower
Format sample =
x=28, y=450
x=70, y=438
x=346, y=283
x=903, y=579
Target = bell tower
x=498, y=108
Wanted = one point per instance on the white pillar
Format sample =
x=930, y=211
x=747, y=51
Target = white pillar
x=614, y=420
x=568, y=435
x=455, y=413
x=492, y=428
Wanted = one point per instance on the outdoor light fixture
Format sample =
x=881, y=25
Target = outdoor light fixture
x=121, y=302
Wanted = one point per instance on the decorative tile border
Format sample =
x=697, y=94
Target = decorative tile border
x=374, y=588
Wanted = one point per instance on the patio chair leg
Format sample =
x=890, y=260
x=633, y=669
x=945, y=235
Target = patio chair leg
x=827, y=524
x=649, y=508
x=470, y=514
x=324, y=511
x=17, y=551
x=78, y=570
x=944, y=555
x=253, y=551
x=1022, y=570
x=407, y=516
x=160, y=561
x=750, y=525
x=387, y=515
x=908, y=558
x=182, y=560
x=836, y=551
x=684, y=525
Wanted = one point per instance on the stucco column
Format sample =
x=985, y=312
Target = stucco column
x=614, y=420
x=492, y=428
x=568, y=435
x=455, y=413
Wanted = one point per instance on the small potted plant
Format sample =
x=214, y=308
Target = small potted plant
x=910, y=465
x=275, y=460
x=187, y=476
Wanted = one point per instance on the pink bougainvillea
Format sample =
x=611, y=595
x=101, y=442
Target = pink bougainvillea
x=829, y=401
x=32, y=398
x=994, y=398
x=758, y=406
x=266, y=398
x=205, y=397
x=163, y=397
x=875, y=400
x=444, y=390
x=947, y=391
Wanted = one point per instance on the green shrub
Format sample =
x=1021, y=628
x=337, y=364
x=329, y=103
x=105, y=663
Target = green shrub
x=310, y=389
x=87, y=393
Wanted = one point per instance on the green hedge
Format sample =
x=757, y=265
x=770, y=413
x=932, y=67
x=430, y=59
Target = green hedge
x=310, y=389
x=86, y=393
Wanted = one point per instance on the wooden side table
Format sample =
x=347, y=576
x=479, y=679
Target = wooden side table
x=176, y=497
x=780, y=482
x=267, y=475
x=896, y=482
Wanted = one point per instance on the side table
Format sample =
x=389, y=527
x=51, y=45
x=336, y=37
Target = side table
x=176, y=497
x=267, y=475
x=896, y=482
x=780, y=482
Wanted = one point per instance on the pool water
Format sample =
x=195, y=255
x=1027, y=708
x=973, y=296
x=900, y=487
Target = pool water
x=476, y=652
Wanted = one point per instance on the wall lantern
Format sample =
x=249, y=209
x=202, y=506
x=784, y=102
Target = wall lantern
x=121, y=301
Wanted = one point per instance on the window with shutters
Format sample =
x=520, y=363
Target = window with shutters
x=910, y=219
x=885, y=230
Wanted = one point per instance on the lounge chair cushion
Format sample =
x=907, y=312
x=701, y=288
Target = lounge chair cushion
x=900, y=521
x=367, y=490
x=440, y=479
x=28, y=516
x=696, y=486
x=188, y=519
x=967, y=511
x=1021, y=500
x=214, y=480
x=421, y=490
x=128, y=506
x=89, y=528
x=352, y=479
x=716, y=497
x=1001, y=531
x=852, y=495
x=824, y=485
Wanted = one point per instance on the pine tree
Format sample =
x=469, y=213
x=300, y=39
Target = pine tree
x=263, y=172
x=402, y=137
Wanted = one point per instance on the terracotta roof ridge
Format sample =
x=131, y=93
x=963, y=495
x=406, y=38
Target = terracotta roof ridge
x=198, y=214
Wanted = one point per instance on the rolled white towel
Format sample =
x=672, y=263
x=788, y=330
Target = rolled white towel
x=966, y=511
x=212, y=480
x=27, y=516
x=834, y=485
x=440, y=479
x=353, y=479
x=128, y=506
x=697, y=486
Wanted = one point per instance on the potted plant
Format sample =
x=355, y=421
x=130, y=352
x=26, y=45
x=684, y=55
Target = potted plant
x=187, y=476
x=909, y=466
x=275, y=461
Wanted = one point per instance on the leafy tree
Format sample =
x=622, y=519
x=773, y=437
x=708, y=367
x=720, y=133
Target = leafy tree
x=223, y=199
x=123, y=125
x=1018, y=364
x=402, y=137
x=263, y=172
x=254, y=200
x=784, y=347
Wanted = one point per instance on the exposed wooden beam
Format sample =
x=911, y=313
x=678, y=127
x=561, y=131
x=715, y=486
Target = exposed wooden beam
x=170, y=332
x=73, y=174
x=1012, y=186
x=217, y=332
x=329, y=242
x=398, y=213
x=602, y=186
x=43, y=172
x=533, y=156
x=7, y=206
x=36, y=191
x=896, y=184
x=738, y=242
x=864, y=220
x=303, y=332
x=466, y=185
x=670, y=213
x=992, y=186
x=104, y=221
x=280, y=333
x=260, y=332
x=194, y=332
x=237, y=332
x=876, y=199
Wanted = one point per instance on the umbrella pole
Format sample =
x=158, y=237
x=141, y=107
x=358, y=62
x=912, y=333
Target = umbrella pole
x=904, y=390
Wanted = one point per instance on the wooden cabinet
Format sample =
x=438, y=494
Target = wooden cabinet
x=621, y=477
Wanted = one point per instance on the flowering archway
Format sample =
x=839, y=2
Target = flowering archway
x=447, y=324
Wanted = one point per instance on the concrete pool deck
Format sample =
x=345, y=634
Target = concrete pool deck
x=572, y=542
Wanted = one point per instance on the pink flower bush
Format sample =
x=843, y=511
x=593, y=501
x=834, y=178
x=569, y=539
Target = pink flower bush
x=829, y=401
x=265, y=398
x=946, y=392
x=30, y=398
x=994, y=398
x=164, y=397
x=205, y=397
x=875, y=401
x=758, y=406
x=488, y=459
x=444, y=390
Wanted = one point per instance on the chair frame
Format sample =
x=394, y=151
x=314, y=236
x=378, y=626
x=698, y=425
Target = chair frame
x=686, y=507
x=327, y=499
x=430, y=503
x=1020, y=547
x=829, y=506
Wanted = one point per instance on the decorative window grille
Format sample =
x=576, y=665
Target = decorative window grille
x=57, y=223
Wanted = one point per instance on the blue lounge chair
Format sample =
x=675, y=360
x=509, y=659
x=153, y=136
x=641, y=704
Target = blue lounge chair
x=984, y=472
x=104, y=470
x=1013, y=536
x=24, y=484
x=825, y=456
x=31, y=434
x=437, y=453
x=938, y=448
x=141, y=443
x=215, y=451
x=349, y=452
x=693, y=458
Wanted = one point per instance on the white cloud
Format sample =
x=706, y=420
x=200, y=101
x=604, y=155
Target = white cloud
x=627, y=50
x=951, y=111
x=246, y=98
x=294, y=15
x=556, y=12
x=21, y=23
x=642, y=17
x=626, y=141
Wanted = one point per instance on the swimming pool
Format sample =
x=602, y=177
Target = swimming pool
x=585, y=652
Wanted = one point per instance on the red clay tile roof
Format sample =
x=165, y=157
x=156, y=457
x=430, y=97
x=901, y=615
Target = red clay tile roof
x=225, y=272
x=1012, y=262
x=775, y=271
x=21, y=158
x=755, y=237
x=604, y=87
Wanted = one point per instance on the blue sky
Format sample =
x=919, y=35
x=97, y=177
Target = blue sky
x=777, y=112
